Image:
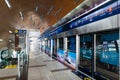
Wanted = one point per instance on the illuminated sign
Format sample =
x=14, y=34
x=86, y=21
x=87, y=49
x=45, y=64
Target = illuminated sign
x=20, y=31
x=16, y=31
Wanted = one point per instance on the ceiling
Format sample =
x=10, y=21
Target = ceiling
x=37, y=14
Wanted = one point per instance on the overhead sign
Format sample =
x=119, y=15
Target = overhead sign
x=20, y=31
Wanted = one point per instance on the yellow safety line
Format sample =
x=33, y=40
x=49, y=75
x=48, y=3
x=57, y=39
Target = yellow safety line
x=10, y=66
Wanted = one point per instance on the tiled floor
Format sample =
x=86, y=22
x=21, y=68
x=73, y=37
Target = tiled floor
x=8, y=74
x=42, y=67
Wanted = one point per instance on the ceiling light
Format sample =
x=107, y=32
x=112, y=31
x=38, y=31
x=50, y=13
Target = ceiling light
x=22, y=18
x=58, y=11
x=52, y=7
x=10, y=31
x=21, y=15
x=1, y=40
x=8, y=4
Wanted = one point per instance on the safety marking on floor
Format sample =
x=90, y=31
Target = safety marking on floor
x=37, y=66
x=87, y=78
x=10, y=66
x=8, y=77
x=56, y=70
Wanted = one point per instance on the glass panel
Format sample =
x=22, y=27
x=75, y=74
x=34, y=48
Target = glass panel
x=107, y=56
x=60, y=51
x=55, y=47
x=72, y=44
x=70, y=56
x=61, y=44
x=86, y=52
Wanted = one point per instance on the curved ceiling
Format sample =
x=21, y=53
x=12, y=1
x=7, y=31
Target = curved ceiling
x=36, y=14
x=32, y=14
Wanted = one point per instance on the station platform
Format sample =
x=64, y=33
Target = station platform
x=8, y=74
x=43, y=67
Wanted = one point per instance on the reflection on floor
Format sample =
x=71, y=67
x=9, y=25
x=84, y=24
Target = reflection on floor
x=42, y=67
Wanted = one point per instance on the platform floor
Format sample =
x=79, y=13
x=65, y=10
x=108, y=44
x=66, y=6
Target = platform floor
x=8, y=74
x=42, y=67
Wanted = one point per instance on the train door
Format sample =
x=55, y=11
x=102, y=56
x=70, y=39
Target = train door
x=49, y=42
x=70, y=56
x=86, y=54
x=60, y=51
x=107, y=55
x=54, y=48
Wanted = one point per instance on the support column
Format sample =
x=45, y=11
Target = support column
x=65, y=45
x=57, y=44
x=77, y=51
x=51, y=47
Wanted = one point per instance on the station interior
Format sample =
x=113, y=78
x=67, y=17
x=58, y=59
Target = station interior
x=60, y=40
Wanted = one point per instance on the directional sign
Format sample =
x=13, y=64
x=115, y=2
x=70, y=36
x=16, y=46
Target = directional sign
x=16, y=31
x=20, y=31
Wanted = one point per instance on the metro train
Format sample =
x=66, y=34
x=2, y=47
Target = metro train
x=89, y=44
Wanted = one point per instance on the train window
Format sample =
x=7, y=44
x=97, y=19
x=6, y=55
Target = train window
x=61, y=44
x=86, y=52
x=70, y=56
x=107, y=52
x=60, y=51
x=72, y=44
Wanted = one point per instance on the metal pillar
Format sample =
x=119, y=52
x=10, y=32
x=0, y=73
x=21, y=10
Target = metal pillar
x=77, y=51
x=65, y=44
x=51, y=47
x=57, y=44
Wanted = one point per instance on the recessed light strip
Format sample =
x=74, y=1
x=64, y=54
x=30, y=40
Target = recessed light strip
x=21, y=15
x=52, y=7
x=8, y=4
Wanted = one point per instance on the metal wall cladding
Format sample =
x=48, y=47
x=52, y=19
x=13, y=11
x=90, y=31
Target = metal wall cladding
x=101, y=25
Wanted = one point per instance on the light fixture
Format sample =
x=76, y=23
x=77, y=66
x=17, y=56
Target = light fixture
x=8, y=4
x=21, y=15
x=52, y=7
x=10, y=40
x=1, y=40
x=10, y=31
x=90, y=10
x=58, y=11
